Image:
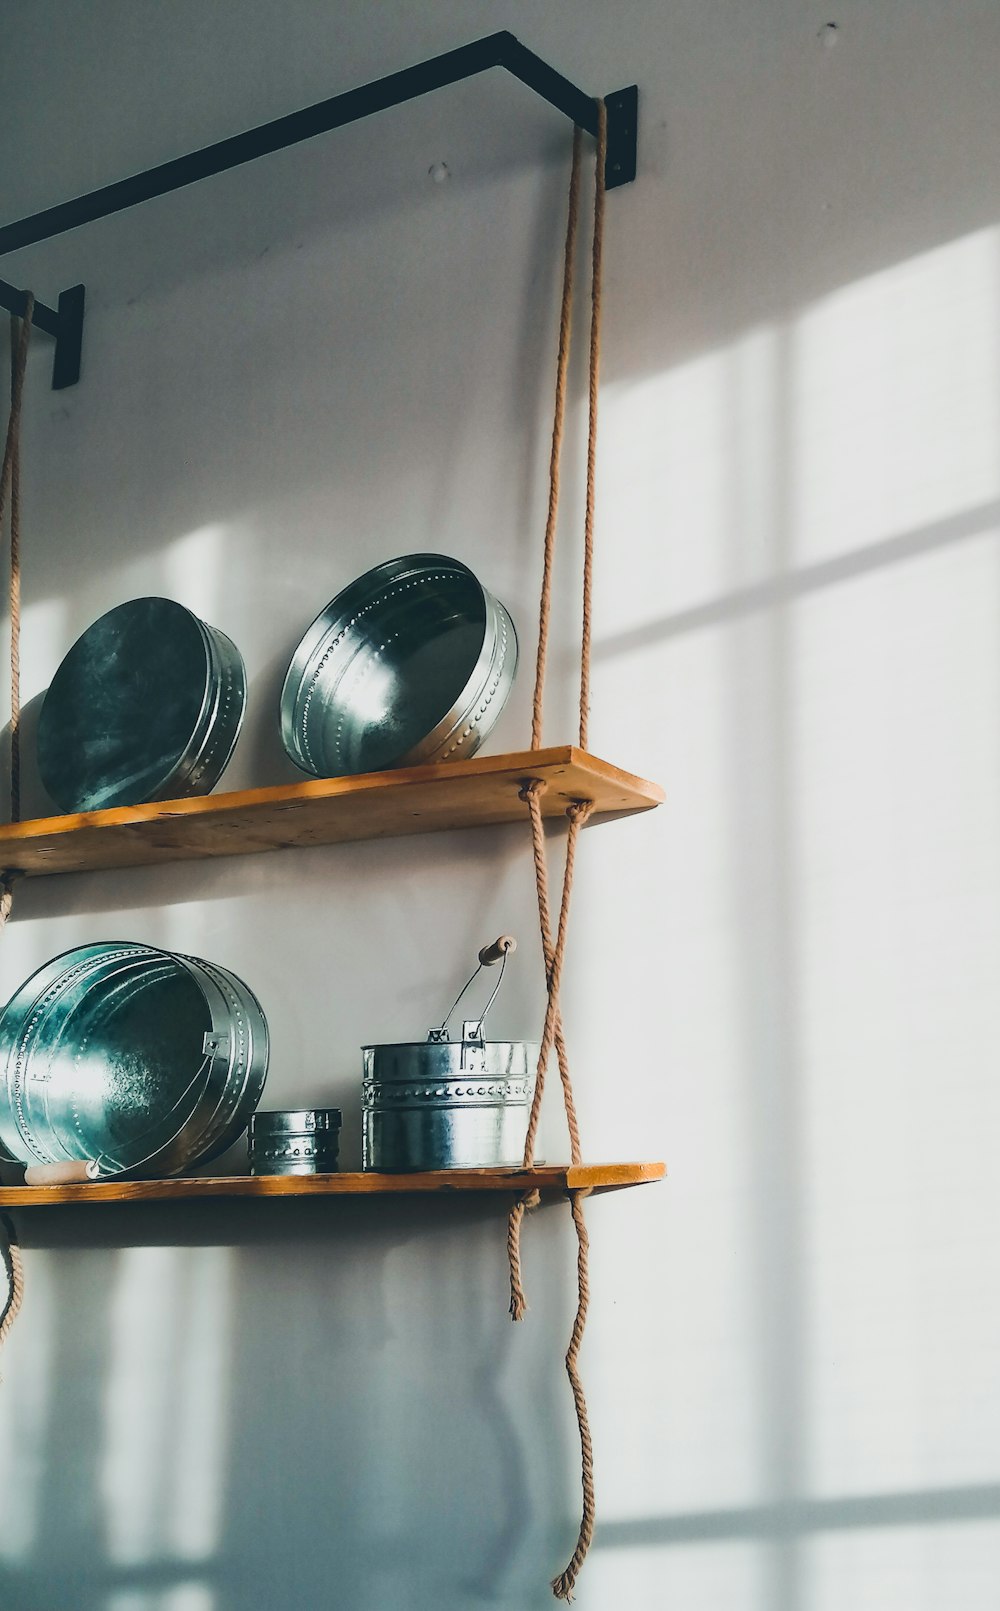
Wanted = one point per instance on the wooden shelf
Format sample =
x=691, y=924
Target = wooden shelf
x=322, y=811
x=545, y=1177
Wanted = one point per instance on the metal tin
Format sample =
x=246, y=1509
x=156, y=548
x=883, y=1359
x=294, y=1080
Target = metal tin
x=303, y=1141
x=144, y=1061
x=411, y=663
x=147, y=705
x=447, y=1104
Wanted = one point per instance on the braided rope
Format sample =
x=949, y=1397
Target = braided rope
x=558, y=422
x=562, y=1586
x=596, y=295
x=577, y=813
x=10, y=483
x=14, y=1265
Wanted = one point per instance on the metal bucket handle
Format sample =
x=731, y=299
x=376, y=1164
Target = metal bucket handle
x=489, y=956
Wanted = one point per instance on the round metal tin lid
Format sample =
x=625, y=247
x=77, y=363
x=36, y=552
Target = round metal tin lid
x=295, y=1121
x=135, y=1057
x=392, y=657
x=110, y=1059
x=125, y=706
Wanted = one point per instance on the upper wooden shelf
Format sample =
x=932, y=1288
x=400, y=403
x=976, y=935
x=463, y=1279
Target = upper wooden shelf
x=322, y=811
x=544, y=1177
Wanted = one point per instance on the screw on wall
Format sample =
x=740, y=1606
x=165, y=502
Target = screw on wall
x=829, y=35
x=439, y=172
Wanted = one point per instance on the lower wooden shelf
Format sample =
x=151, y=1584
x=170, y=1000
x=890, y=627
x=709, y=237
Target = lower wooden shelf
x=544, y=1177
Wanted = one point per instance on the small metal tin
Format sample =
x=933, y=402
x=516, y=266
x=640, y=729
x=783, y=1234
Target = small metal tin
x=143, y=1061
x=302, y=1141
x=410, y=664
x=147, y=705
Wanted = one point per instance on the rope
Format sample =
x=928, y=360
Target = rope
x=15, y=1275
x=19, y=356
x=558, y=421
x=10, y=483
x=596, y=292
x=562, y=1586
x=554, y=951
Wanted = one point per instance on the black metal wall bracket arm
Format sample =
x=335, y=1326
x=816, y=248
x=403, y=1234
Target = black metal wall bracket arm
x=496, y=50
x=64, y=322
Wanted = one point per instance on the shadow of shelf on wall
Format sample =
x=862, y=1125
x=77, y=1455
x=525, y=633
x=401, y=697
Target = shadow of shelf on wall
x=546, y=1178
x=323, y=811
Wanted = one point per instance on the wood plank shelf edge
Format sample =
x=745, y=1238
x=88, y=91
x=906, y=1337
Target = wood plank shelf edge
x=321, y=811
x=445, y=1182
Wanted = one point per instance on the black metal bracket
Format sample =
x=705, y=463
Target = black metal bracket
x=496, y=50
x=64, y=322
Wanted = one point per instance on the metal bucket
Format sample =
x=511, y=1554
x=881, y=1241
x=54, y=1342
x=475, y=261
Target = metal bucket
x=458, y=1105
x=147, y=705
x=443, y=1104
x=144, y=1061
x=302, y=1141
x=410, y=664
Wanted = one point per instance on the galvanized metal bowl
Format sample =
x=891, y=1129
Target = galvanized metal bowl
x=447, y=1104
x=410, y=664
x=142, y=1060
x=147, y=705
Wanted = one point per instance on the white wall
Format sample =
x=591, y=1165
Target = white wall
x=784, y=981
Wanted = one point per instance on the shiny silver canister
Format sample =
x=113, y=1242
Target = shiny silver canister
x=142, y=1061
x=410, y=664
x=147, y=705
x=299, y=1141
x=444, y=1104
x=455, y=1105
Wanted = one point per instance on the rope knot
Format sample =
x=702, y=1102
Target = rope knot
x=534, y=786
x=579, y=811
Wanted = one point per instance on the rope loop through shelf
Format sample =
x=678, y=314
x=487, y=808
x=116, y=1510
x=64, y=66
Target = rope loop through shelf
x=553, y=950
x=10, y=487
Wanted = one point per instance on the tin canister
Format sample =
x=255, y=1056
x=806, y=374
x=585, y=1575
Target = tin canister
x=410, y=664
x=142, y=1061
x=298, y=1141
x=147, y=705
x=447, y=1104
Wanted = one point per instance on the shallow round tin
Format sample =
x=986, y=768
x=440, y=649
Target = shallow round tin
x=446, y=1104
x=410, y=664
x=147, y=705
x=304, y=1141
x=143, y=1060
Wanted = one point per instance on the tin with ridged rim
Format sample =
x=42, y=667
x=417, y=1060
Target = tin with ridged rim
x=295, y=1141
x=147, y=705
x=144, y=1061
x=410, y=664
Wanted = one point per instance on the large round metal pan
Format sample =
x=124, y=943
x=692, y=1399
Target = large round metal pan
x=147, y=705
x=143, y=1060
x=409, y=664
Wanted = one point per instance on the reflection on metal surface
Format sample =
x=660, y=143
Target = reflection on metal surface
x=147, y=705
x=411, y=663
x=144, y=1060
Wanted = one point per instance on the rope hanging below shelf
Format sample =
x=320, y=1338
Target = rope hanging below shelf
x=553, y=1035
x=10, y=483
